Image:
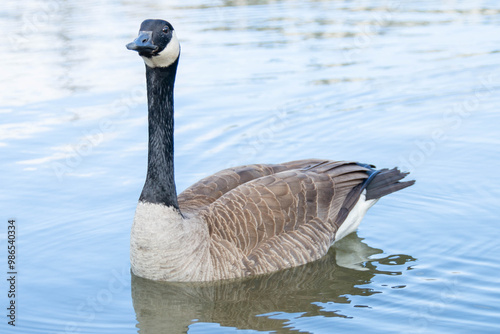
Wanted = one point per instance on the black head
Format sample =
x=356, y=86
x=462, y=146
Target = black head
x=157, y=43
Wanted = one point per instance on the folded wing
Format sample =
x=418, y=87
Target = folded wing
x=210, y=188
x=283, y=219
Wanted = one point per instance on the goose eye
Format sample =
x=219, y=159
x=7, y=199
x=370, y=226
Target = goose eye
x=165, y=29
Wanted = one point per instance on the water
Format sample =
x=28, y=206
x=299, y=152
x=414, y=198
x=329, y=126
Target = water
x=414, y=84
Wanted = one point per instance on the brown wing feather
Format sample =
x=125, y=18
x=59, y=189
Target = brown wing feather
x=210, y=188
x=280, y=220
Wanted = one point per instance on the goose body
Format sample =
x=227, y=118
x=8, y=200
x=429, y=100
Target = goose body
x=241, y=221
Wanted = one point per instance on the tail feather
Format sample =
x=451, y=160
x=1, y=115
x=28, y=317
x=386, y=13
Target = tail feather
x=386, y=181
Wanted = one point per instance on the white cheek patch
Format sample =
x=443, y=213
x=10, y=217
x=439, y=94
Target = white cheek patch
x=166, y=57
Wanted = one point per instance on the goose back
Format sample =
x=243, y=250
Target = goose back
x=210, y=188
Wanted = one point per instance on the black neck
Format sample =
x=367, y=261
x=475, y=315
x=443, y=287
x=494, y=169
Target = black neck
x=160, y=184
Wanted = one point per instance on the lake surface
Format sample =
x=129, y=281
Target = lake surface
x=392, y=83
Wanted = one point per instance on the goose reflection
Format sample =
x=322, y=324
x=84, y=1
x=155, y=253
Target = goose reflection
x=163, y=307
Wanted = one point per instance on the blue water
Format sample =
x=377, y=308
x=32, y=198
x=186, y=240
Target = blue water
x=413, y=84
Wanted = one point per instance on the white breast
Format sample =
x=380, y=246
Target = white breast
x=165, y=246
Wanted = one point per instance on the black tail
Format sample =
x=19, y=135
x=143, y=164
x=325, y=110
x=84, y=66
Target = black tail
x=385, y=181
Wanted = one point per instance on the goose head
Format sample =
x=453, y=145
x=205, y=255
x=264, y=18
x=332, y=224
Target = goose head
x=157, y=43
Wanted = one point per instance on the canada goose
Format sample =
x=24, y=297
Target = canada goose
x=241, y=221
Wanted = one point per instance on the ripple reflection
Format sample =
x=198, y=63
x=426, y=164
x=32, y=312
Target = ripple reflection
x=347, y=270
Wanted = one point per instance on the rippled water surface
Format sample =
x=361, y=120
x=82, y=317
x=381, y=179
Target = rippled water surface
x=413, y=84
